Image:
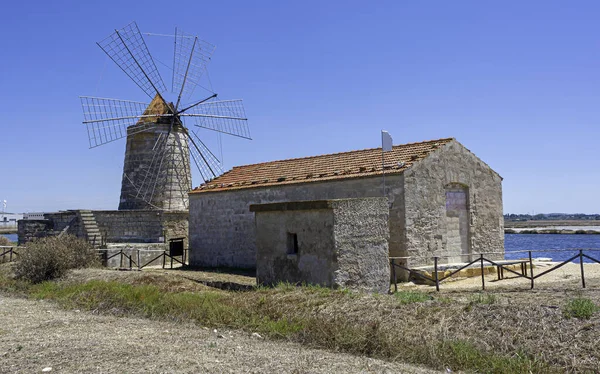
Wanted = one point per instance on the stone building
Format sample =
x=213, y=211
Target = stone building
x=443, y=201
x=332, y=243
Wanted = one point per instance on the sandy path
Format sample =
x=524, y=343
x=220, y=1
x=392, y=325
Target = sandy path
x=37, y=334
x=566, y=278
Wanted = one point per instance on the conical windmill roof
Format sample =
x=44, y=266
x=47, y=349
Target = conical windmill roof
x=158, y=107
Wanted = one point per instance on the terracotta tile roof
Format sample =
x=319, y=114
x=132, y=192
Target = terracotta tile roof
x=353, y=164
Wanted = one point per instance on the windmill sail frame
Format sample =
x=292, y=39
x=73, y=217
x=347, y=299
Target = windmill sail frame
x=158, y=133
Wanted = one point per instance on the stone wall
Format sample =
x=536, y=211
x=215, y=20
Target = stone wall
x=222, y=226
x=332, y=243
x=52, y=225
x=32, y=229
x=144, y=253
x=141, y=226
x=128, y=226
x=133, y=226
x=428, y=228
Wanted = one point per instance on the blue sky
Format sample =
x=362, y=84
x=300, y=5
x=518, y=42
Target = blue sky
x=518, y=83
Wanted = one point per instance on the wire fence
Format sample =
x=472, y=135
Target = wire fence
x=483, y=259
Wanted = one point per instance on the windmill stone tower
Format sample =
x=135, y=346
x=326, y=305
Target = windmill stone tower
x=161, y=142
x=156, y=170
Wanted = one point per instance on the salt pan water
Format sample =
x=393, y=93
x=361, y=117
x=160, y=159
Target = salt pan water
x=517, y=242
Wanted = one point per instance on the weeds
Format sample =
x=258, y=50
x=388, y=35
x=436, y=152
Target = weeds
x=483, y=298
x=409, y=297
x=580, y=307
x=462, y=354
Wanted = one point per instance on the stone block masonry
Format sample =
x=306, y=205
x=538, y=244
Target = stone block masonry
x=447, y=203
x=129, y=226
x=222, y=226
x=332, y=243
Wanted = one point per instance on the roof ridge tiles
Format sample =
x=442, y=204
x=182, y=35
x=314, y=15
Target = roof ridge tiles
x=340, y=165
x=337, y=153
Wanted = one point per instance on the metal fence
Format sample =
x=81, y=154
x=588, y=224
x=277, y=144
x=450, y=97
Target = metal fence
x=7, y=251
x=526, y=266
x=126, y=261
x=9, y=254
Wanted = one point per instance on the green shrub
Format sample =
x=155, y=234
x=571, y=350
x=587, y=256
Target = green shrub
x=580, y=307
x=50, y=258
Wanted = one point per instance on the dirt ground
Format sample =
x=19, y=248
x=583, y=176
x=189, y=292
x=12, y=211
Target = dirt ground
x=35, y=335
x=565, y=278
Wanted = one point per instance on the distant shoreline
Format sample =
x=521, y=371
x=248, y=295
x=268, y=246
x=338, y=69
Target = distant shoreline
x=549, y=223
x=553, y=231
x=8, y=230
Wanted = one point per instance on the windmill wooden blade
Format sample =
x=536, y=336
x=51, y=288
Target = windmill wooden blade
x=226, y=116
x=127, y=48
x=108, y=120
x=207, y=163
x=190, y=59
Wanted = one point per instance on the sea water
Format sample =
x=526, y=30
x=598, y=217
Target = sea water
x=11, y=237
x=519, y=242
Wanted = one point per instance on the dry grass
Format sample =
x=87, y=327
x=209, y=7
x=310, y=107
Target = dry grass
x=503, y=331
x=5, y=241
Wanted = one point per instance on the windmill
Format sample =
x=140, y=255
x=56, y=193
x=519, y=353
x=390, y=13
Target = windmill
x=161, y=144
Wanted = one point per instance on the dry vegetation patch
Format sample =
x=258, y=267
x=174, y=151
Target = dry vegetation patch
x=4, y=241
x=503, y=331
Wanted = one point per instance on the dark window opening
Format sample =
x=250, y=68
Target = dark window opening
x=292, y=243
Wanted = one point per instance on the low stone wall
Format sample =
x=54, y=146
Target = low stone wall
x=127, y=226
x=52, y=225
x=32, y=229
x=139, y=253
x=130, y=226
x=332, y=243
x=141, y=226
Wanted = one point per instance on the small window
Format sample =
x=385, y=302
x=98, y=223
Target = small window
x=292, y=243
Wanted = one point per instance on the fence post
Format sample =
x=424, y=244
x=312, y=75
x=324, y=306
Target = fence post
x=138, y=259
x=394, y=275
x=581, y=265
x=482, y=275
x=10, y=255
x=130, y=259
x=164, y=255
x=435, y=269
x=531, y=269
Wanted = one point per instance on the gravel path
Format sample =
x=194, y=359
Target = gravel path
x=35, y=335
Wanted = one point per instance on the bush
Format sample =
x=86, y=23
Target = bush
x=5, y=241
x=50, y=258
